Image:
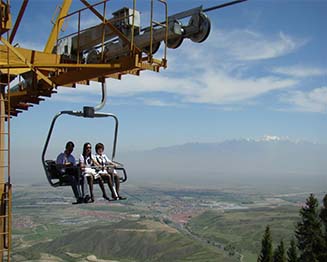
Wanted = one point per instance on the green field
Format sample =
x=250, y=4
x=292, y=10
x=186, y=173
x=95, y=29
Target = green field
x=144, y=240
x=243, y=230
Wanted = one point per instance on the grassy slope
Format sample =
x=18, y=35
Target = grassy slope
x=244, y=229
x=129, y=241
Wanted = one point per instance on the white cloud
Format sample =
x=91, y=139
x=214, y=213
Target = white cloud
x=312, y=101
x=300, y=71
x=157, y=102
x=221, y=88
x=231, y=51
x=214, y=87
x=211, y=87
x=245, y=45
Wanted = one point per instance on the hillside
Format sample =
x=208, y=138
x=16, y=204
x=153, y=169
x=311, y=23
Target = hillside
x=242, y=231
x=142, y=241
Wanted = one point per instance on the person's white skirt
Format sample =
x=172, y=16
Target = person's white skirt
x=89, y=172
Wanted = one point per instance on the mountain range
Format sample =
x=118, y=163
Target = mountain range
x=270, y=157
x=264, y=158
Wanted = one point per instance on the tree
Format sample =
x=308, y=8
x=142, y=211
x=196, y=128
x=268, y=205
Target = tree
x=308, y=232
x=266, y=254
x=279, y=254
x=323, y=217
x=291, y=252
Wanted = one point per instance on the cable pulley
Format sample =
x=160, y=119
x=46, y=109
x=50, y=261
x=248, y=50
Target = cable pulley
x=204, y=26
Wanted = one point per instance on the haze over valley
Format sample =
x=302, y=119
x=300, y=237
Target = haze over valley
x=265, y=160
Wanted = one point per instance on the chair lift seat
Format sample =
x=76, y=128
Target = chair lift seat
x=54, y=172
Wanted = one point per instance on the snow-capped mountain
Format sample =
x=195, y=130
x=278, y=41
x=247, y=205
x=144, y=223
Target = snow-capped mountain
x=270, y=155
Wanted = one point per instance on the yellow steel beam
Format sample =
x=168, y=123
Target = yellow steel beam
x=126, y=63
x=14, y=71
x=18, y=93
x=57, y=26
x=5, y=17
x=26, y=61
x=61, y=65
x=17, y=66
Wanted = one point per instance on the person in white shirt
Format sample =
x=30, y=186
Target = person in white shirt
x=67, y=165
x=107, y=169
x=87, y=165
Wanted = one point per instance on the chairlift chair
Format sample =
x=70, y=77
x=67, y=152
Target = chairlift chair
x=52, y=170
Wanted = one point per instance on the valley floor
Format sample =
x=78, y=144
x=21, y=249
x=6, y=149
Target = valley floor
x=153, y=224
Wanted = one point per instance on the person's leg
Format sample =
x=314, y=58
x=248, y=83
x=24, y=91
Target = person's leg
x=73, y=184
x=83, y=179
x=117, y=184
x=75, y=189
x=101, y=184
x=74, y=171
x=85, y=191
x=72, y=179
x=111, y=187
x=90, y=181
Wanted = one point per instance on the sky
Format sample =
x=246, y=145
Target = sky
x=262, y=71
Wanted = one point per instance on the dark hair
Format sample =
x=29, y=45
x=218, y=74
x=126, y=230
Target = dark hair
x=98, y=146
x=69, y=144
x=84, y=150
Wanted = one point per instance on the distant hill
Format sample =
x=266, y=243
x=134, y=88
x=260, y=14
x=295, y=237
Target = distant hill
x=130, y=241
x=265, y=158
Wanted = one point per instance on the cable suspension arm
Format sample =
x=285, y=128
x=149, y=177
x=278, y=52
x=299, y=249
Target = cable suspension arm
x=223, y=5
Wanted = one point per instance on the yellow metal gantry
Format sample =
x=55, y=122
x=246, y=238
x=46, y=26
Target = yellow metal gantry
x=43, y=71
x=46, y=70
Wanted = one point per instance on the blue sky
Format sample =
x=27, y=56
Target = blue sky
x=262, y=71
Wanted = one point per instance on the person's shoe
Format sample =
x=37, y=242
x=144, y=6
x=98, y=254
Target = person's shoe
x=122, y=198
x=80, y=200
x=114, y=198
x=106, y=198
x=87, y=199
x=92, y=199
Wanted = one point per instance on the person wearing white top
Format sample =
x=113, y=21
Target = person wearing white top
x=107, y=169
x=67, y=165
x=87, y=165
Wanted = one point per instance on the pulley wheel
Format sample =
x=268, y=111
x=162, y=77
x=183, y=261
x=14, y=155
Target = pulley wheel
x=175, y=42
x=204, y=27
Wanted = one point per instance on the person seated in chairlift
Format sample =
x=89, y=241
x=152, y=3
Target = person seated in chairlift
x=107, y=169
x=86, y=161
x=67, y=165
